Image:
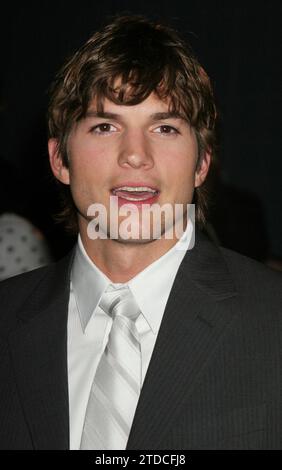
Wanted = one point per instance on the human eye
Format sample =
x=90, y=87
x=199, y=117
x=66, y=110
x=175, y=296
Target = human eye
x=166, y=129
x=103, y=128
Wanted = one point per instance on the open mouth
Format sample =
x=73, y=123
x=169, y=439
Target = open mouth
x=136, y=194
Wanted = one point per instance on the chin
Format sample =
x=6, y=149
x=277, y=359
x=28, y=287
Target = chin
x=139, y=240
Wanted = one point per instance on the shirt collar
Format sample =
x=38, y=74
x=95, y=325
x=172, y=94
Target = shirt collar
x=88, y=283
x=151, y=287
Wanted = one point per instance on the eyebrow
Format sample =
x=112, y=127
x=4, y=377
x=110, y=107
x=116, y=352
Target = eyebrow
x=101, y=114
x=155, y=116
x=166, y=115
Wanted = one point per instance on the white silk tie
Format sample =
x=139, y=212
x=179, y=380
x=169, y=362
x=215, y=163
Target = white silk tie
x=116, y=387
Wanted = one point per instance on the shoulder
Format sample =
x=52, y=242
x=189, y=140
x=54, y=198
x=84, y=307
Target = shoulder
x=22, y=284
x=39, y=285
x=15, y=290
x=253, y=278
x=221, y=272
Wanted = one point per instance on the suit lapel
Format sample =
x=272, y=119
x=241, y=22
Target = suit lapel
x=199, y=310
x=39, y=355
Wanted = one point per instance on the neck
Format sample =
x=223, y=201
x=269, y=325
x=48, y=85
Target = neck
x=121, y=261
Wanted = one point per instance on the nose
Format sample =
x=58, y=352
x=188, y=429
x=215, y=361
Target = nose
x=135, y=152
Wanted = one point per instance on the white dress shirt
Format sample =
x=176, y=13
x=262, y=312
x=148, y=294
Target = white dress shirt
x=88, y=330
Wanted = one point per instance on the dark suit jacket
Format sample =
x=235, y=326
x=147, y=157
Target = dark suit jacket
x=214, y=380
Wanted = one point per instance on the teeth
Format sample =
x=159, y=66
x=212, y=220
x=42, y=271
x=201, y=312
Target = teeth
x=135, y=188
x=136, y=198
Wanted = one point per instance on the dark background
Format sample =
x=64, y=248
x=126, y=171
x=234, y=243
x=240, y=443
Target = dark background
x=238, y=43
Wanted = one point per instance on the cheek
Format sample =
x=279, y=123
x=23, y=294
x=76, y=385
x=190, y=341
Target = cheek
x=180, y=176
x=181, y=168
x=87, y=162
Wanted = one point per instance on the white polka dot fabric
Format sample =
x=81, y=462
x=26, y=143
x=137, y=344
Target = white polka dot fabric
x=22, y=246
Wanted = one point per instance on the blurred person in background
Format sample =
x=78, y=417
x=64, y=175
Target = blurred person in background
x=22, y=245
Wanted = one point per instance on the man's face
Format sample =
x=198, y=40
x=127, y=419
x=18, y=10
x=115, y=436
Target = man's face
x=129, y=152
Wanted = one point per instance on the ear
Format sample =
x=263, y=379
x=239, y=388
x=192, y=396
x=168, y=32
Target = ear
x=202, y=169
x=60, y=171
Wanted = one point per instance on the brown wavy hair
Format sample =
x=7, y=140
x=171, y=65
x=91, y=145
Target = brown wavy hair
x=143, y=57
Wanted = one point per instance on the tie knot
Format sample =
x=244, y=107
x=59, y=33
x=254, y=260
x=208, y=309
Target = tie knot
x=119, y=301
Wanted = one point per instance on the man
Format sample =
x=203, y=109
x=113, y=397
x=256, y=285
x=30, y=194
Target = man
x=138, y=342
